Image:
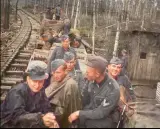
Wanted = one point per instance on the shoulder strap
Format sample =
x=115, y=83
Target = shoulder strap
x=58, y=89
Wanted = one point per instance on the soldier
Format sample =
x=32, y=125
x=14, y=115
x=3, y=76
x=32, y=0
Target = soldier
x=49, y=14
x=115, y=71
x=100, y=96
x=124, y=59
x=65, y=28
x=70, y=60
x=59, y=52
x=75, y=38
x=58, y=12
x=63, y=93
x=26, y=105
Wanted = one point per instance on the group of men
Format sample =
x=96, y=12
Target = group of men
x=50, y=12
x=58, y=94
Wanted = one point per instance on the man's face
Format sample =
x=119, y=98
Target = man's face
x=71, y=64
x=76, y=44
x=114, y=70
x=35, y=85
x=91, y=73
x=65, y=43
x=59, y=74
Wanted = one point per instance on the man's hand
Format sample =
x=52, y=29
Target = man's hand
x=49, y=119
x=74, y=116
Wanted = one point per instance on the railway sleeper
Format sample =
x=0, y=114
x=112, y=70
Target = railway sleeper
x=14, y=72
x=25, y=51
x=6, y=87
x=4, y=82
x=23, y=56
x=21, y=61
x=18, y=65
x=13, y=79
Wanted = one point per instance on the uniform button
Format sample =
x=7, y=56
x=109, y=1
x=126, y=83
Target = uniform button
x=110, y=83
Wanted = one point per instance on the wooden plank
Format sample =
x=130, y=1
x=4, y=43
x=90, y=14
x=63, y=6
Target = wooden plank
x=6, y=87
x=21, y=61
x=8, y=82
x=14, y=72
x=19, y=65
x=13, y=79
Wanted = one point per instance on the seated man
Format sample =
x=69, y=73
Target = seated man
x=63, y=93
x=70, y=60
x=26, y=105
x=59, y=52
x=115, y=71
x=100, y=96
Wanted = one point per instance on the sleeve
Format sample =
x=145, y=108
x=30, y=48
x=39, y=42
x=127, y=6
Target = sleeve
x=106, y=107
x=46, y=104
x=53, y=56
x=15, y=105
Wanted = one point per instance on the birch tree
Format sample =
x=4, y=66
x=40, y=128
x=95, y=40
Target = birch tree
x=76, y=17
x=16, y=10
x=67, y=8
x=73, y=5
x=94, y=26
x=86, y=7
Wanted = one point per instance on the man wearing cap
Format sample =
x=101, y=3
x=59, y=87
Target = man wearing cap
x=101, y=98
x=26, y=105
x=124, y=59
x=63, y=92
x=59, y=52
x=70, y=60
x=115, y=71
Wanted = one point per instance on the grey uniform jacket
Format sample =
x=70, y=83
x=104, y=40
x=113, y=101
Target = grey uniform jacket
x=100, y=102
x=58, y=53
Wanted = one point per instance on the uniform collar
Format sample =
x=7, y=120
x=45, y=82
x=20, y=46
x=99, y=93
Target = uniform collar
x=102, y=82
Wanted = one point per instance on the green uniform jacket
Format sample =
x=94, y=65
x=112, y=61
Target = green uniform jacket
x=66, y=101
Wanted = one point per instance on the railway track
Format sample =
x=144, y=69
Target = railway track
x=15, y=58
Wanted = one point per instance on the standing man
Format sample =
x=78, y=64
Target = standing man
x=124, y=59
x=26, y=105
x=63, y=93
x=59, y=52
x=100, y=96
x=58, y=12
x=77, y=75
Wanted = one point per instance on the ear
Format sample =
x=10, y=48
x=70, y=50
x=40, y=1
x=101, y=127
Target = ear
x=97, y=73
x=47, y=75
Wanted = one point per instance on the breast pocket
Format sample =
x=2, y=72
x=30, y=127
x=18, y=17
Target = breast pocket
x=98, y=100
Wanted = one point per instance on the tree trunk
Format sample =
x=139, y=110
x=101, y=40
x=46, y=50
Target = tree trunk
x=143, y=17
x=6, y=14
x=116, y=39
x=94, y=26
x=73, y=5
x=16, y=10
x=67, y=8
x=86, y=8
x=76, y=17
